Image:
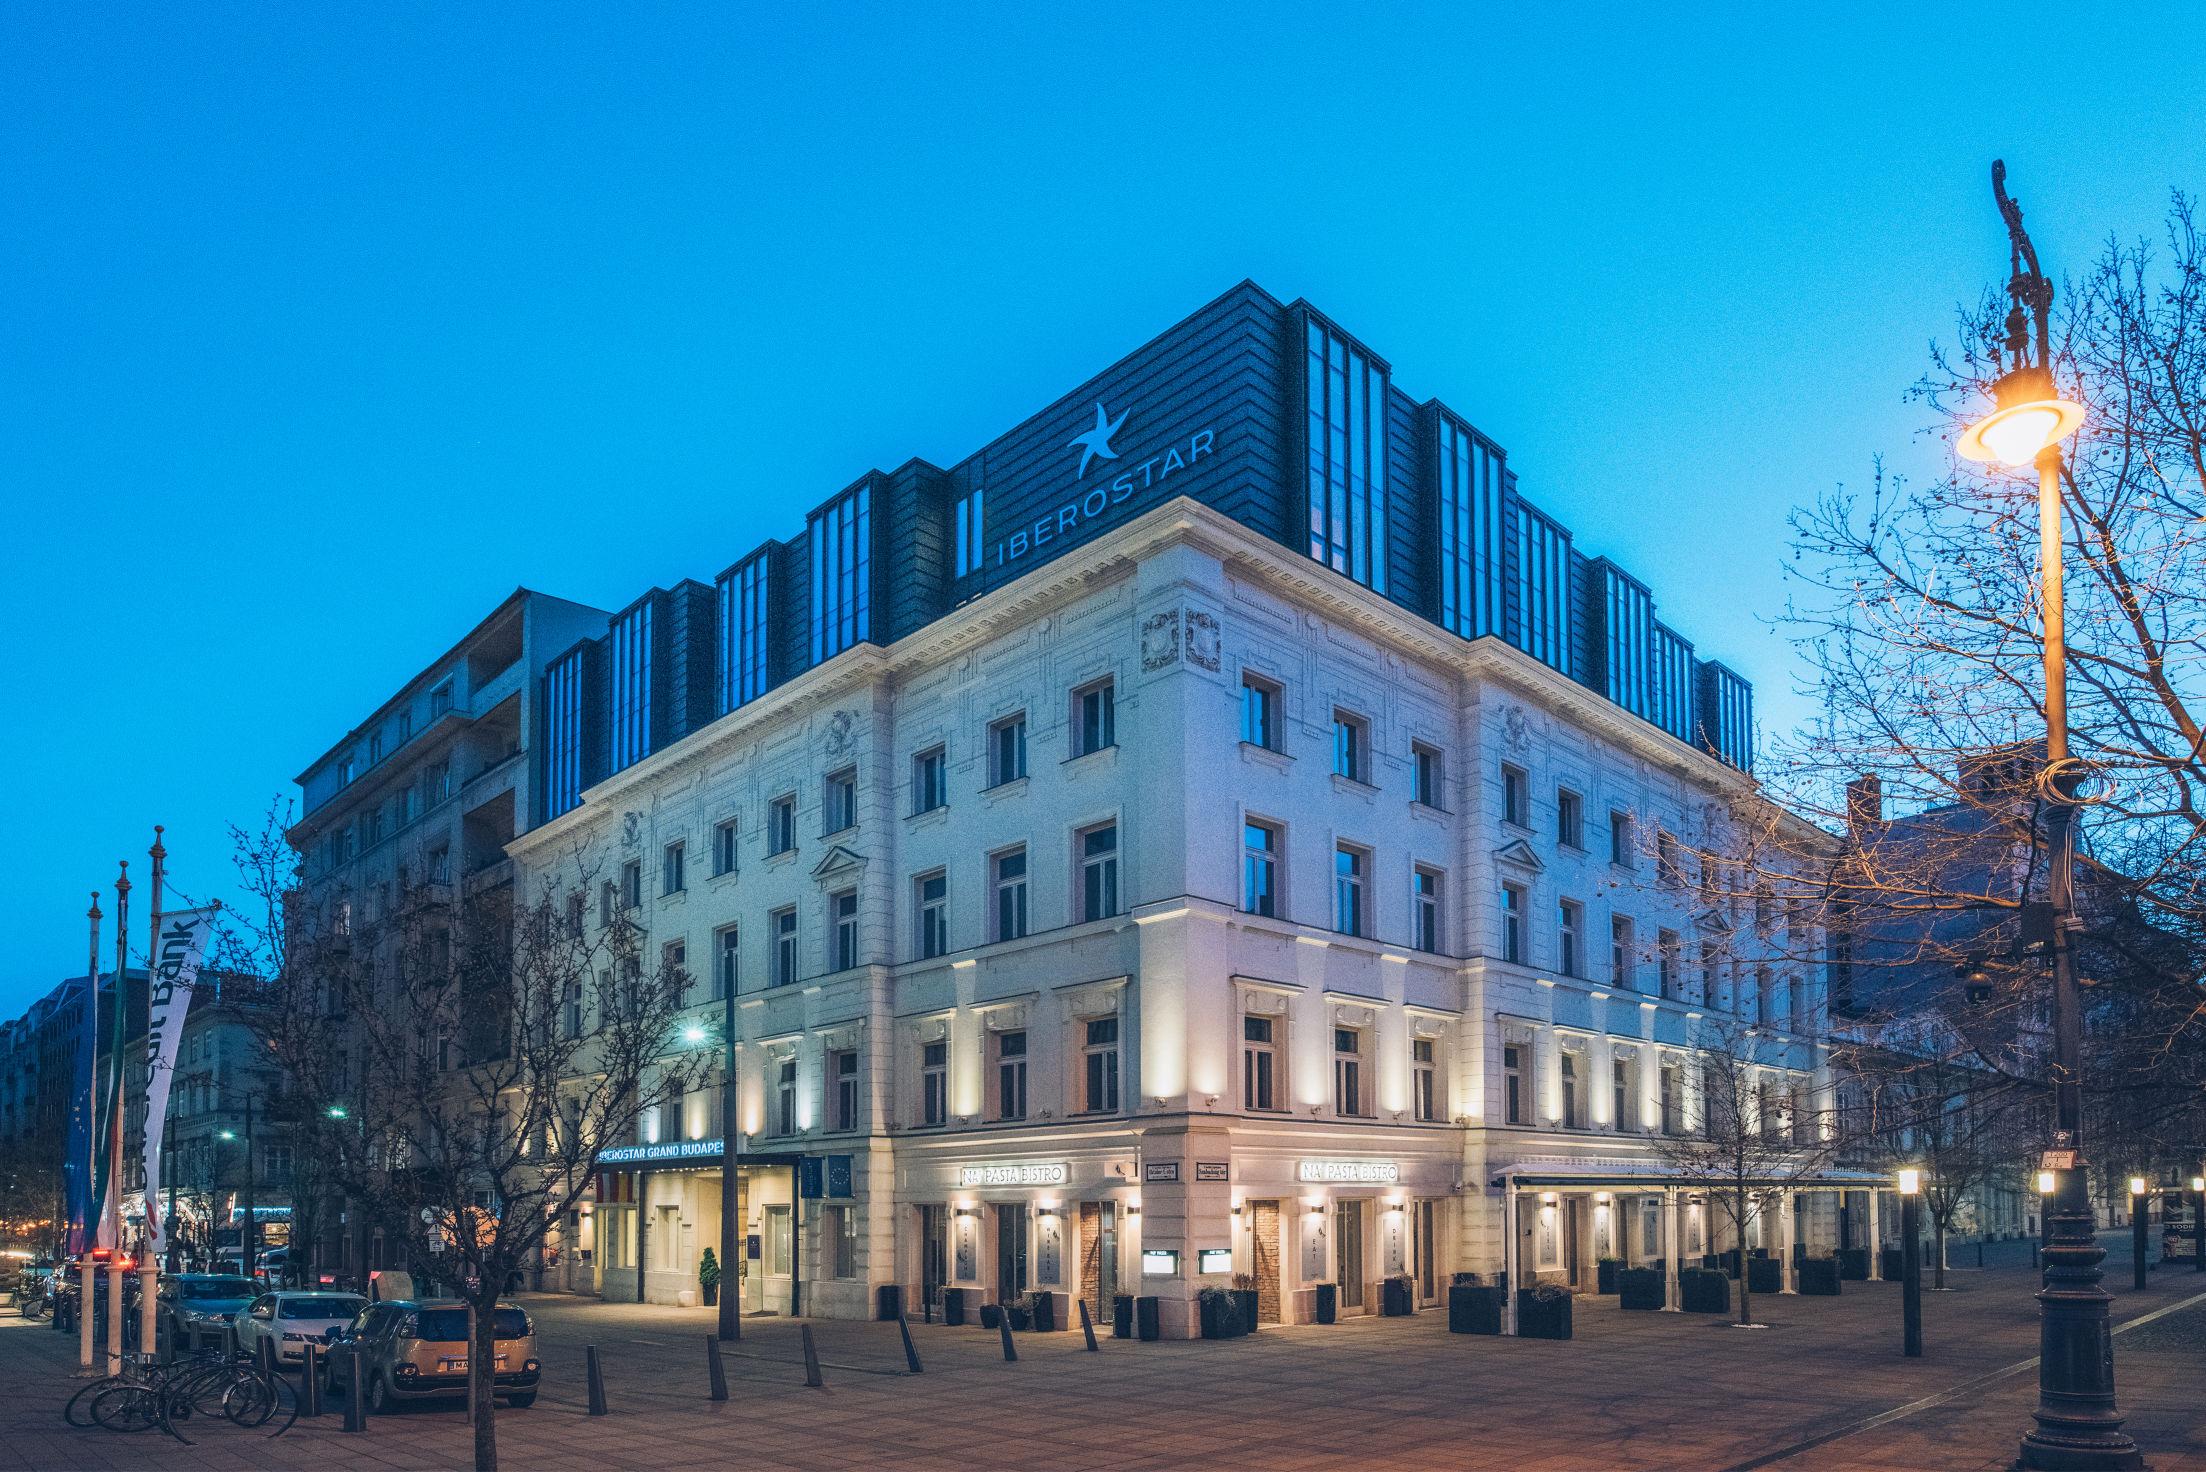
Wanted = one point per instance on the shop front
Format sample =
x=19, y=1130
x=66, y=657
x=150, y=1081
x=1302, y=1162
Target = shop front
x=1308, y=1227
x=657, y=1210
x=978, y=1232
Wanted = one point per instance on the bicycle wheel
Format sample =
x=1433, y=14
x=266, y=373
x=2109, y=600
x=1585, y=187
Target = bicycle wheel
x=78, y=1412
x=127, y=1408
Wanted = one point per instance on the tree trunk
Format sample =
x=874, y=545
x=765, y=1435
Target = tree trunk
x=1746, y=1292
x=1938, y=1274
x=482, y=1356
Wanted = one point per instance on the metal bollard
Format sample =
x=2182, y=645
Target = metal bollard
x=310, y=1382
x=1087, y=1325
x=264, y=1357
x=715, y=1375
x=356, y=1392
x=597, y=1381
x=911, y=1351
x=811, y=1361
x=1003, y=1324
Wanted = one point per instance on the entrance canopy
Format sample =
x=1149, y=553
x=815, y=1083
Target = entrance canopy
x=1647, y=1175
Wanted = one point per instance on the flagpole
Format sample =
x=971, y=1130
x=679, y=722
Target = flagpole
x=112, y=1218
x=149, y=1262
x=91, y=1145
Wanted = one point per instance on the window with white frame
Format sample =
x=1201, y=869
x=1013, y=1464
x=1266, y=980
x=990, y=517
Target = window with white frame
x=723, y=846
x=1094, y=717
x=1573, y=1103
x=1424, y=907
x=934, y=1083
x=1349, y=1095
x=1260, y=850
x=1623, y=961
x=1097, y=848
x=1010, y=1064
x=839, y=1240
x=839, y=801
x=785, y=1097
x=1570, y=933
x=1350, y=866
x=1260, y=1062
x=1666, y=962
x=1516, y=796
x=1425, y=774
x=1008, y=880
x=1099, y=1065
x=1625, y=1109
x=781, y=824
x=1262, y=713
x=1570, y=819
x=1623, y=846
x=782, y=924
x=1351, y=746
x=1670, y=1080
x=673, y=872
x=631, y=883
x=842, y=1072
x=1512, y=923
x=1514, y=1083
x=930, y=780
x=1007, y=750
x=727, y=953
x=1424, y=1079
x=931, y=909
x=842, y=909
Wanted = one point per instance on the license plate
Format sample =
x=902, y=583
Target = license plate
x=459, y=1366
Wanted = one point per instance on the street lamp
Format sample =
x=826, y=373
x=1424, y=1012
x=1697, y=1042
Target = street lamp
x=2078, y=1425
x=2140, y=1207
x=1911, y=1262
x=2198, y=1224
x=730, y=1327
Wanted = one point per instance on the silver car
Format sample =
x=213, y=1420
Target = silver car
x=288, y=1320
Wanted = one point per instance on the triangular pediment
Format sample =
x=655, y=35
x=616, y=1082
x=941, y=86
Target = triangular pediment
x=1518, y=853
x=1713, y=921
x=838, y=861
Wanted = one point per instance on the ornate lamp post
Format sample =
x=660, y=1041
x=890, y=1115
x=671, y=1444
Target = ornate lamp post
x=1911, y=1262
x=2078, y=1425
x=2140, y=1211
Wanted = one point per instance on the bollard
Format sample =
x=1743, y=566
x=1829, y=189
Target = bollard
x=264, y=1356
x=310, y=1381
x=911, y=1351
x=1003, y=1323
x=715, y=1375
x=597, y=1380
x=1087, y=1326
x=356, y=1393
x=811, y=1361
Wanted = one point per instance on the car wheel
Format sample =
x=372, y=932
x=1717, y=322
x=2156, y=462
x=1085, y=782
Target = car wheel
x=379, y=1396
x=521, y=1400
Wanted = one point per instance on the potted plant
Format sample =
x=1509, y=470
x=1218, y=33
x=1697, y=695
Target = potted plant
x=1639, y=1288
x=1473, y=1307
x=1819, y=1276
x=1604, y=1274
x=1245, y=1294
x=990, y=1315
x=1221, y=1314
x=1328, y=1302
x=1397, y=1296
x=1853, y=1262
x=1704, y=1291
x=1122, y=1316
x=1543, y=1311
x=1765, y=1275
x=708, y=1277
x=1021, y=1320
x=1891, y=1262
x=1043, y=1310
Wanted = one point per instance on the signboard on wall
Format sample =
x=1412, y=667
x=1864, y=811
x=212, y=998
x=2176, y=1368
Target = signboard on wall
x=1160, y=1170
x=1029, y=1173
x=1212, y=1170
x=1348, y=1172
x=693, y=1151
x=1160, y=1262
x=1214, y=1260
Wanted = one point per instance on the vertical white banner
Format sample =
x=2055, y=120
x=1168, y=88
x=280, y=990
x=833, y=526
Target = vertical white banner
x=169, y=989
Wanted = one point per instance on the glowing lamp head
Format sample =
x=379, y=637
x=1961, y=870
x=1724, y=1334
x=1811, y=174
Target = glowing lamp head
x=336, y=1111
x=225, y=1134
x=1911, y=1181
x=2027, y=415
x=2136, y=1185
x=2198, y=1183
x=2045, y=1183
x=693, y=1034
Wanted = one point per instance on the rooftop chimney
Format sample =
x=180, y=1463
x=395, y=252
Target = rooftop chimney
x=1864, y=802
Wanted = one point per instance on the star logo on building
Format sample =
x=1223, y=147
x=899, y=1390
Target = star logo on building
x=1096, y=443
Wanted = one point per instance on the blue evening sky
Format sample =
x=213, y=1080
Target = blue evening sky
x=323, y=327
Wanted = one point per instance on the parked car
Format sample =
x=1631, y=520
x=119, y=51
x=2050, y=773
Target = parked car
x=288, y=1320
x=197, y=1307
x=418, y=1351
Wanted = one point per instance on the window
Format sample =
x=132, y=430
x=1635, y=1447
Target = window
x=1570, y=819
x=1673, y=1099
x=1512, y=1083
x=1573, y=1118
x=1348, y=1096
x=633, y=664
x=1424, y=900
x=785, y=1097
x=1570, y=928
x=344, y=771
x=1260, y=712
x=931, y=903
x=674, y=967
x=1424, y=774
x=723, y=847
x=1516, y=796
x=1345, y=402
x=744, y=630
x=1512, y=923
x=783, y=924
x=839, y=1239
x=1094, y=718
x=375, y=748
x=1099, y=1057
x=1620, y=1078
x=436, y=782
x=1666, y=962
x=1010, y=885
x=440, y=700
x=1349, y=863
x=631, y=883
x=671, y=876
x=1623, y=965
x=1007, y=750
x=1471, y=531
x=1710, y=971
x=1765, y=1001
x=1098, y=848
x=1259, y=1063
x=571, y=1007
x=781, y=825
x=727, y=952
x=966, y=517
x=1011, y=1075
x=930, y=780
x=1260, y=843
x=841, y=535
x=934, y=1083
x=842, y=1067
x=1351, y=747
x=1424, y=1093
x=1667, y=867
x=839, y=801
x=843, y=910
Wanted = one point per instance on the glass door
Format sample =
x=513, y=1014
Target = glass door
x=934, y=1256
x=776, y=1251
x=1348, y=1252
x=1428, y=1249
x=1011, y=1253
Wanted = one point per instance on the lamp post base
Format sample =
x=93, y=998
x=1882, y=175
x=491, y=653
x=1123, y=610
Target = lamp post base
x=2078, y=1429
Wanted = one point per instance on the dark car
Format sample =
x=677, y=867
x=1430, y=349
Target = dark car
x=418, y=1351
x=198, y=1307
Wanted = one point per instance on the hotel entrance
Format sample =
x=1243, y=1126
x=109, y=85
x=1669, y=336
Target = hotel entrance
x=658, y=1210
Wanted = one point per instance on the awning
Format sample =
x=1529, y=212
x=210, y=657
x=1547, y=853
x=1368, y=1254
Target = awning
x=1643, y=1175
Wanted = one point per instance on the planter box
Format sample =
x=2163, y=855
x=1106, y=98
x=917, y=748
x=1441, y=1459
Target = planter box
x=1328, y=1302
x=991, y=1314
x=1819, y=1277
x=711, y=1292
x=1704, y=1291
x=1396, y=1299
x=1021, y=1320
x=888, y=1300
x=1765, y=1275
x=1145, y=1319
x=953, y=1306
x=1473, y=1309
x=1221, y=1316
x=1890, y=1263
x=1122, y=1316
x=1246, y=1299
x=1604, y=1274
x=1542, y=1318
x=1640, y=1288
x=1853, y=1262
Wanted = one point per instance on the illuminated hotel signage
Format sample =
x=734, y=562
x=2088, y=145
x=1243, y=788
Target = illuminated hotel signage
x=1084, y=502
x=1034, y=1173
x=660, y=1153
x=1348, y=1172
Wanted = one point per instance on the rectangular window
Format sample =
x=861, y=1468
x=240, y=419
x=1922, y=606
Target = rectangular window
x=1512, y=923
x=1666, y=961
x=1351, y=747
x=1260, y=713
x=1348, y=1094
x=631, y=883
x=781, y=825
x=1570, y=819
x=783, y=924
x=931, y=903
x=785, y=1097
x=934, y=1083
x=1009, y=882
x=1094, y=717
x=841, y=535
x=1765, y=1002
x=1516, y=796
x=930, y=780
x=1424, y=1091
x=1011, y=1075
x=1471, y=531
x=1099, y=1057
x=1259, y=1063
x=1623, y=963
x=375, y=748
x=1260, y=844
x=1570, y=928
x=1098, y=849
x=1345, y=404
x=1671, y=1083
x=672, y=879
x=843, y=909
x=631, y=644
x=727, y=956
x=839, y=801
x=674, y=969
x=839, y=1240
x=1668, y=868
x=1424, y=773
x=1349, y=863
x=966, y=517
x=1424, y=908
x=571, y=1007
x=1623, y=846
x=723, y=847
x=1711, y=972
x=1573, y=1118
x=1007, y=750
x=1620, y=1077
x=744, y=625
x=842, y=1067
x=1542, y=622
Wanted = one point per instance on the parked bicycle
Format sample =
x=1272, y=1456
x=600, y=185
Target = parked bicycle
x=211, y=1387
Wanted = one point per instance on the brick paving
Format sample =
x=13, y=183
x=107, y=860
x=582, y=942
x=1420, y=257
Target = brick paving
x=1630, y=1391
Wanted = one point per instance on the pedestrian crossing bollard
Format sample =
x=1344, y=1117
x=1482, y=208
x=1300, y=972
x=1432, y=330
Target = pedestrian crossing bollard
x=356, y=1391
x=596, y=1377
x=811, y=1360
x=1087, y=1325
x=911, y=1351
x=1003, y=1325
x=715, y=1374
x=264, y=1357
x=310, y=1382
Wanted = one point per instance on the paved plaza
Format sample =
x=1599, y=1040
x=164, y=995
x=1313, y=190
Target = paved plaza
x=1823, y=1387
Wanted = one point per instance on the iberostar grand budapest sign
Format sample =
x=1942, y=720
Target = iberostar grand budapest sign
x=1087, y=502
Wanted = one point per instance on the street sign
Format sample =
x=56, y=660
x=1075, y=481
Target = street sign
x=2057, y=1160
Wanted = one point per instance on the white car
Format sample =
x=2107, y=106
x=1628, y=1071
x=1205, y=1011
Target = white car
x=288, y=1320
